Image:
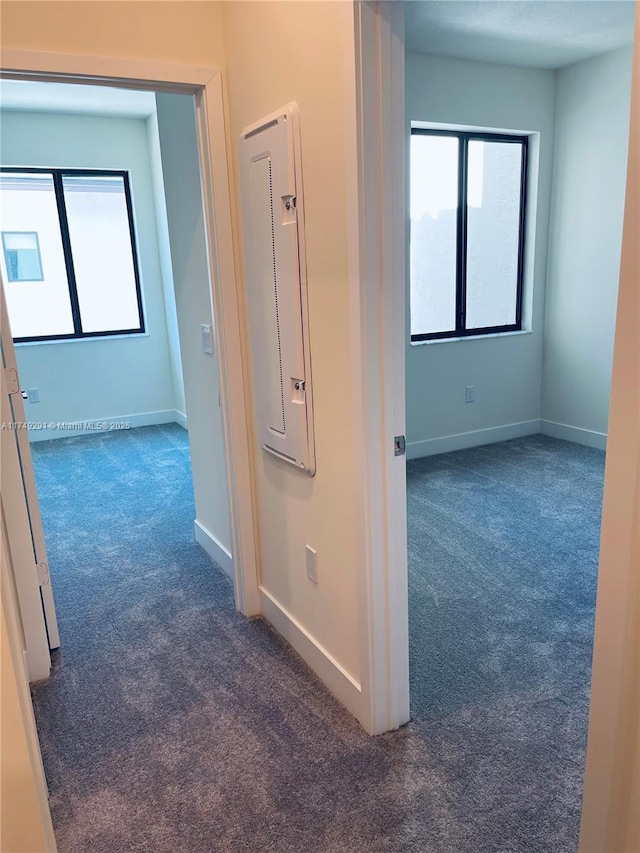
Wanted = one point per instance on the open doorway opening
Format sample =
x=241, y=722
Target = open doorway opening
x=117, y=493
x=513, y=275
x=98, y=328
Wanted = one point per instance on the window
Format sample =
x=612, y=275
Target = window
x=467, y=197
x=69, y=254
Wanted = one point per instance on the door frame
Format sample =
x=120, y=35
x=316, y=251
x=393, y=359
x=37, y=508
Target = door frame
x=378, y=335
x=17, y=512
x=15, y=688
x=205, y=83
x=28, y=485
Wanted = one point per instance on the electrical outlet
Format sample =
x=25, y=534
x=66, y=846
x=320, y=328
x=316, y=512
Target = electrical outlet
x=34, y=395
x=470, y=394
x=312, y=563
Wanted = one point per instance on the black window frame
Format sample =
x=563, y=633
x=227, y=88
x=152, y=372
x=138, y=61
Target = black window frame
x=57, y=176
x=464, y=137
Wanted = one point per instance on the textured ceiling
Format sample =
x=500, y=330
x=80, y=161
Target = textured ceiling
x=535, y=33
x=71, y=98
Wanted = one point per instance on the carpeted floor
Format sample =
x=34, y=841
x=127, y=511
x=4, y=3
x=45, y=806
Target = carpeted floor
x=171, y=724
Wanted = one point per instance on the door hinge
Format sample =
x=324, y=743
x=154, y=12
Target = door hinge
x=11, y=377
x=42, y=570
x=399, y=445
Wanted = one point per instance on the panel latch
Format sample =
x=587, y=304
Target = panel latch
x=11, y=376
x=399, y=445
x=43, y=573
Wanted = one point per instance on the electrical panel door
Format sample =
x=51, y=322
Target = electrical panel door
x=273, y=217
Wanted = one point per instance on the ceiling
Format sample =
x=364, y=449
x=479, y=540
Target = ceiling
x=25, y=95
x=533, y=33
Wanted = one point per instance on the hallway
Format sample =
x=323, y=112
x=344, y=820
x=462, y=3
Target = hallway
x=172, y=724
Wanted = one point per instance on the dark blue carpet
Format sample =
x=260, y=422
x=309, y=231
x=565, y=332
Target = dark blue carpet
x=172, y=724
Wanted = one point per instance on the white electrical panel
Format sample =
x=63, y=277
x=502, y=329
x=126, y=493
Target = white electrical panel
x=273, y=216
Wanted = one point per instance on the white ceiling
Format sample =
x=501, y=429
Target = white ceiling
x=24, y=95
x=534, y=33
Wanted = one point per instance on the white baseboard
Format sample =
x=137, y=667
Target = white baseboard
x=214, y=548
x=463, y=440
x=180, y=419
x=343, y=686
x=570, y=433
x=46, y=430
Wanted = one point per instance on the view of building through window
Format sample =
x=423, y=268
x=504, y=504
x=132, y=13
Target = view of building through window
x=69, y=256
x=467, y=210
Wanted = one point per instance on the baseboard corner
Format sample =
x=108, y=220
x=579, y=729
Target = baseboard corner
x=180, y=418
x=335, y=678
x=578, y=435
x=214, y=548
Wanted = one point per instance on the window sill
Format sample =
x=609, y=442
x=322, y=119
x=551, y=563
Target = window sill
x=471, y=338
x=80, y=340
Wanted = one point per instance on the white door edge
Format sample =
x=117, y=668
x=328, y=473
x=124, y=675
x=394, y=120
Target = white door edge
x=24, y=574
x=378, y=329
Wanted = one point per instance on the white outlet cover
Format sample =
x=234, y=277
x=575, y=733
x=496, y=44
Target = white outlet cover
x=312, y=564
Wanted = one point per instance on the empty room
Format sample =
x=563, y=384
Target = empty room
x=256, y=652
x=517, y=127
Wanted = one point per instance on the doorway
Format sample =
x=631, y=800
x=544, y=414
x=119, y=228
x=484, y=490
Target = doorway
x=204, y=84
x=507, y=415
x=111, y=366
x=209, y=141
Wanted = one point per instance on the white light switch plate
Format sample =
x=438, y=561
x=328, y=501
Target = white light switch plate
x=207, y=338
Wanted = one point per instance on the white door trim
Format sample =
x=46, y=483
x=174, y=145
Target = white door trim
x=378, y=330
x=22, y=547
x=15, y=677
x=212, y=144
x=31, y=494
x=206, y=84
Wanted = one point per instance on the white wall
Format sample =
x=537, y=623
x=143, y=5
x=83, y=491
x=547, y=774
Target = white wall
x=591, y=140
x=182, y=189
x=312, y=64
x=165, y=266
x=125, y=378
x=506, y=370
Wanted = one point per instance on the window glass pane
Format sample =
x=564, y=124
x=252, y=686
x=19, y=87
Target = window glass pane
x=493, y=232
x=102, y=254
x=434, y=205
x=33, y=266
x=22, y=255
